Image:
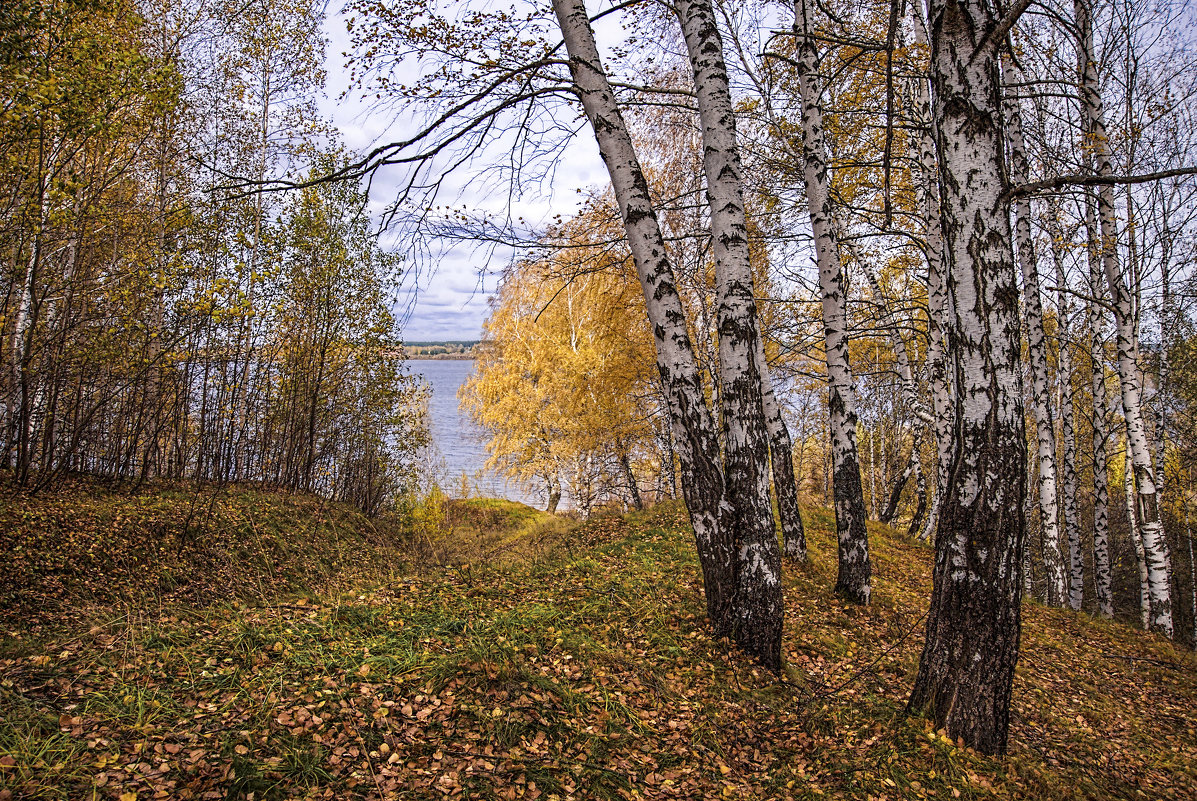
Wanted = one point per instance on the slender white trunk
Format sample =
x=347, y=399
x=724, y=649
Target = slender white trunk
x=759, y=609
x=938, y=299
x=1155, y=546
x=1192, y=575
x=1045, y=435
x=21, y=416
x=694, y=432
x=1102, y=588
x=855, y=570
x=1136, y=537
x=781, y=454
x=1192, y=580
x=1067, y=406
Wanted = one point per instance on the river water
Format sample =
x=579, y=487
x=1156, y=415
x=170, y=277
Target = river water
x=458, y=444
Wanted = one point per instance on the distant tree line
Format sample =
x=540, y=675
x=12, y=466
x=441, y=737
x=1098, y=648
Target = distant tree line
x=449, y=350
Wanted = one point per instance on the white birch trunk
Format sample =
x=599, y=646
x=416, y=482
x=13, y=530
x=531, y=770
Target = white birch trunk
x=938, y=301
x=1192, y=581
x=1045, y=434
x=1151, y=528
x=693, y=429
x=1102, y=586
x=855, y=571
x=758, y=609
x=966, y=669
x=21, y=412
x=1067, y=406
x=1136, y=536
x=781, y=454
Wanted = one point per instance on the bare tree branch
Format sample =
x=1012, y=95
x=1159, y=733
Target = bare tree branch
x=1061, y=181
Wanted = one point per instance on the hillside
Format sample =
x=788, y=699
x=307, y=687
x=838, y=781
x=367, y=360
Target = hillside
x=513, y=657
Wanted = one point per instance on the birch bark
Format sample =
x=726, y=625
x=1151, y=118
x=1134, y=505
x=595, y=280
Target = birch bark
x=1067, y=406
x=1192, y=579
x=1102, y=587
x=854, y=578
x=1151, y=528
x=781, y=454
x=1045, y=434
x=694, y=434
x=967, y=665
x=938, y=309
x=758, y=607
x=1136, y=536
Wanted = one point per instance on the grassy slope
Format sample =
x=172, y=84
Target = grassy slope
x=89, y=548
x=579, y=667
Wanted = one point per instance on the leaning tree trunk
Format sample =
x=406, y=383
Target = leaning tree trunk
x=1147, y=509
x=855, y=570
x=759, y=610
x=781, y=454
x=1102, y=587
x=920, y=511
x=694, y=433
x=1045, y=430
x=973, y=627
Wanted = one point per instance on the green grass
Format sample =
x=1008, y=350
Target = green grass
x=573, y=663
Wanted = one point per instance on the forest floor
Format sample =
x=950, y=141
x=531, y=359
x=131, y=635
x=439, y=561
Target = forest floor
x=518, y=656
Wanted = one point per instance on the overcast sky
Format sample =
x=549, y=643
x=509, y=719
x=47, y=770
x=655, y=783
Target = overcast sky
x=447, y=299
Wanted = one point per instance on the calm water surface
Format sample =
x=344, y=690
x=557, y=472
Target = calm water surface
x=459, y=444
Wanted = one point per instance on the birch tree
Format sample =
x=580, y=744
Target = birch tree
x=712, y=517
x=759, y=610
x=1067, y=407
x=855, y=570
x=967, y=665
x=1102, y=586
x=926, y=183
x=1045, y=435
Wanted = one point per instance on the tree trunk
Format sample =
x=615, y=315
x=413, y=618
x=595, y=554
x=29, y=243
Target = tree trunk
x=694, y=433
x=1102, y=587
x=1192, y=579
x=920, y=510
x=895, y=494
x=759, y=609
x=855, y=570
x=781, y=454
x=633, y=486
x=927, y=192
x=1136, y=537
x=1067, y=406
x=1045, y=430
x=1147, y=509
x=973, y=627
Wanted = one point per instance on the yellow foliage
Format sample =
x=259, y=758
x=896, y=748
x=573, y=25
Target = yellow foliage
x=566, y=381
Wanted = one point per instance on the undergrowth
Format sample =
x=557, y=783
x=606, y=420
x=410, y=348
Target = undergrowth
x=522, y=656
